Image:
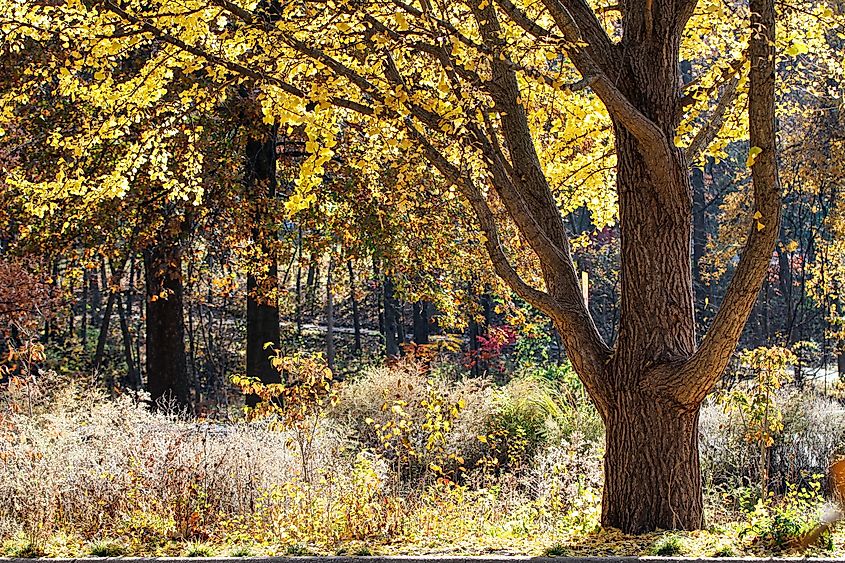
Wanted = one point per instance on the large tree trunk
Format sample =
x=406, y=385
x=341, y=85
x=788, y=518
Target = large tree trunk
x=262, y=310
x=652, y=475
x=167, y=371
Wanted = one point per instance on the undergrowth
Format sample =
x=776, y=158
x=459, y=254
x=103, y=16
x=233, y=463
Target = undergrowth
x=400, y=461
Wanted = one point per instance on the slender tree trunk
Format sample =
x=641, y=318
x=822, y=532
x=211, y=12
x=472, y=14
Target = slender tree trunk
x=840, y=361
x=699, y=235
x=421, y=324
x=83, y=306
x=767, y=330
x=330, y=314
x=785, y=280
x=262, y=315
x=474, y=345
x=130, y=288
x=191, y=333
x=95, y=296
x=167, y=373
x=312, y=281
x=379, y=298
x=299, y=282
x=103, y=336
x=50, y=331
x=73, y=311
x=401, y=335
x=140, y=281
x=356, y=315
x=133, y=378
x=391, y=319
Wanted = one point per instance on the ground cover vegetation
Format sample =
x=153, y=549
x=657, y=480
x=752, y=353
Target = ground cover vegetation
x=484, y=274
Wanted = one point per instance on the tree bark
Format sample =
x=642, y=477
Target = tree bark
x=330, y=315
x=83, y=305
x=103, y=335
x=391, y=320
x=699, y=237
x=652, y=475
x=133, y=378
x=356, y=314
x=262, y=312
x=401, y=335
x=840, y=363
x=167, y=372
x=95, y=296
x=421, y=322
x=474, y=345
x=298, y=312
x=312, y=281
x=379, y=295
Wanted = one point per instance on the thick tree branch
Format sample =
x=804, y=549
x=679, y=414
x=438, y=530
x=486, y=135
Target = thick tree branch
x=691, y=381
x=589, y=354
x=487, y=223
x=594, y=55
x=577, y=20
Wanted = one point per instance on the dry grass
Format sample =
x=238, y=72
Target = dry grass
x=82, y=474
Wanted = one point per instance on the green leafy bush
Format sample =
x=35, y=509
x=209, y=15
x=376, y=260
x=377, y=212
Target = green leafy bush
x=669, y=545
x=781, y=523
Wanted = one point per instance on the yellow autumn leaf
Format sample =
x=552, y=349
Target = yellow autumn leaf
x=797, y=48
x=753, y=152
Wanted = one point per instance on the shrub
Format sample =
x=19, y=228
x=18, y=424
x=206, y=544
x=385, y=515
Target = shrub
x=421, y=420
x=22, y=547
x=242, y=551
x=557, y=550
x=541, y=408
x=781, y=523
x=107, y=548
x=518, y=427
x=567, y=480
x=90, y=465
x=723, y=550
x=813, y=434
x=198, y=549
x=668, y=546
